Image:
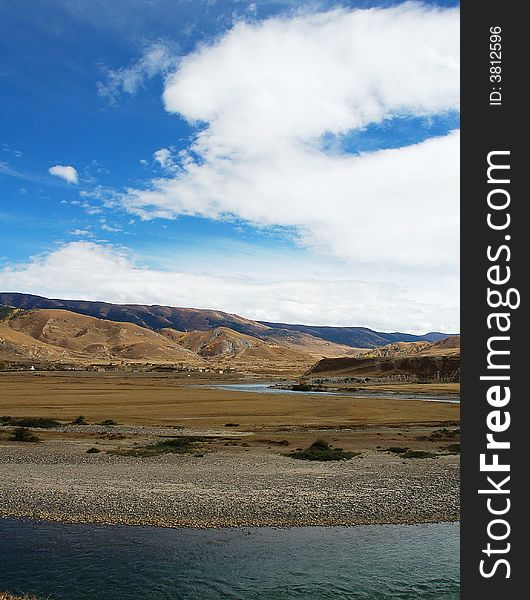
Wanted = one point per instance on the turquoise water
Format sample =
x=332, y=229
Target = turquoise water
x=97, y=562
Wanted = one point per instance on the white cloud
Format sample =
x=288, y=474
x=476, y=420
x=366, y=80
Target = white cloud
x=269, y=91
x=94, y=272
x=395, y=207
x=157, y=58
x=66, y=172
x=295, y=79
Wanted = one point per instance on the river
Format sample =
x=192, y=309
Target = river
x=99, y=562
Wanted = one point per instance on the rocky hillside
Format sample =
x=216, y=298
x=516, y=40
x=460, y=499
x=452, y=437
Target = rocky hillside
x=447, y=346
x=405, y=368
x=416, y=361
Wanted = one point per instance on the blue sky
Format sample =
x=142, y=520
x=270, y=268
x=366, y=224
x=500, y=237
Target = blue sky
x=101, y=87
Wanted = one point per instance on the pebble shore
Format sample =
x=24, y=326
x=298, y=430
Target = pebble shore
x=58, y=481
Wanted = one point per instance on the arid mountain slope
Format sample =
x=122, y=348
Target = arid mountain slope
x=54, y=334
x=217, y=342
x=226, y=343
x=60, y=336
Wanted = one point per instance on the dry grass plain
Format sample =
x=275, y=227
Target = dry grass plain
x=168, y=399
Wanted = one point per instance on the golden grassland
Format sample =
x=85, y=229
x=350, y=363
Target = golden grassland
x=162, y=399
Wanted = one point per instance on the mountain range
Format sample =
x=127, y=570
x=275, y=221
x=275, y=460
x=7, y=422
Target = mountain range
x=53, y=337
x=157, y=317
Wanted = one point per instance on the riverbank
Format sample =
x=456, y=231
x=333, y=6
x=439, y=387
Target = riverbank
x=232, y=487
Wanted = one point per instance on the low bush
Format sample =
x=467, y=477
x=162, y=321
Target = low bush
x=451, y=448
x=39, y=422
x=177, y=445
x=22, y=434
x=80, y=420
x=93, y=450
x=397, y=449
x=321, y=450
x=442, y=435
x=274, y=442
x=408, y=453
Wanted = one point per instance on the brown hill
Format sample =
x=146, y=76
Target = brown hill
x=450, y=345
x=225, y=343
x=217, y=342
x=60, y=335
x=308, y=344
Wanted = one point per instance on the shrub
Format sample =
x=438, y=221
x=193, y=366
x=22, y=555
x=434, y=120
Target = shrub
x=275, y=442
x=444, y=434
x=93, y=450
x=39, y=422
x=177, y=445
x=321, y=450
x=80, y=420
x=418, y=454
x=22, y=434
x=397, y=449
x=451, y=448
x=408, y=453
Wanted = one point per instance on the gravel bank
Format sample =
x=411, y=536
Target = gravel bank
x=59, y=481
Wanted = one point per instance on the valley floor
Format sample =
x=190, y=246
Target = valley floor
x=239, y=475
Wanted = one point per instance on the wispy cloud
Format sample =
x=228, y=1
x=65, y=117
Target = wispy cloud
x=157, y=58
x=6, y=169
